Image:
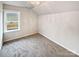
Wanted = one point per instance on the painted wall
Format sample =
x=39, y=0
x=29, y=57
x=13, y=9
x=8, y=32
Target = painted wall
x=1, y=25
x=62, y=28
x=28, y=23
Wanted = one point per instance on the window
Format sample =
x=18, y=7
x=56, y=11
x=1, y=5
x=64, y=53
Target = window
x=11, y=21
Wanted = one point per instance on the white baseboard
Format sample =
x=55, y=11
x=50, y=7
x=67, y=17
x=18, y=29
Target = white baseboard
x=60, y=44
x=0, y=46
x=20, y=37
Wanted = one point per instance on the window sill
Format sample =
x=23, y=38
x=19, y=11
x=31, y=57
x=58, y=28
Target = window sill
x=11, y=30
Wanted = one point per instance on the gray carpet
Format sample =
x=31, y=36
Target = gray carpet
x=34, y=46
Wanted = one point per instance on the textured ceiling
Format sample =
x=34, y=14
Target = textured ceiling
x=19, y=3
x=56, y=7
x=47, y=7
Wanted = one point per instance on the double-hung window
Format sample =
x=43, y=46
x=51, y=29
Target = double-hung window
x=11, y=20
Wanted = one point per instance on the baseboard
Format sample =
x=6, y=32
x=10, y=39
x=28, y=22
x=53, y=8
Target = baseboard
x=19, y=37
x=60, y=44
x=0, y=46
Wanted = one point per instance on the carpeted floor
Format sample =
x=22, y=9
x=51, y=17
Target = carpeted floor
x=34, y=46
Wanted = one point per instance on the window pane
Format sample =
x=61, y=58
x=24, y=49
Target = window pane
x=12, y=25
x=12, y=17
x=12, y=20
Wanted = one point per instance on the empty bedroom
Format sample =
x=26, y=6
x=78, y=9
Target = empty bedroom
x=39, y=28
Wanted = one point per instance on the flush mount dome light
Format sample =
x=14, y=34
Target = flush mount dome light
x=35, y=3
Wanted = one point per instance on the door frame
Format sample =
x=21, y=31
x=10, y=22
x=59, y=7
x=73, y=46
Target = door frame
x=1, y=25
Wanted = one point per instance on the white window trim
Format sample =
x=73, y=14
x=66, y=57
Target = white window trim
x=5, y=20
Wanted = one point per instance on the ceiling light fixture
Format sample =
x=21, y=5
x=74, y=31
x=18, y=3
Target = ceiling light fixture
x=35, y=3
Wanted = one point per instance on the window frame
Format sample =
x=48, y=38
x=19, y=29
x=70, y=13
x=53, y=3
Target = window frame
x=6, y=21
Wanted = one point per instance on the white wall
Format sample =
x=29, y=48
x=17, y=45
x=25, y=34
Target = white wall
x=1, y=25
x=28, y=23
x=62, y=28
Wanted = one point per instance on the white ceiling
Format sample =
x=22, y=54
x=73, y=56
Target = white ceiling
x=49, y=6
x=56, y=7
x=19, y=3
